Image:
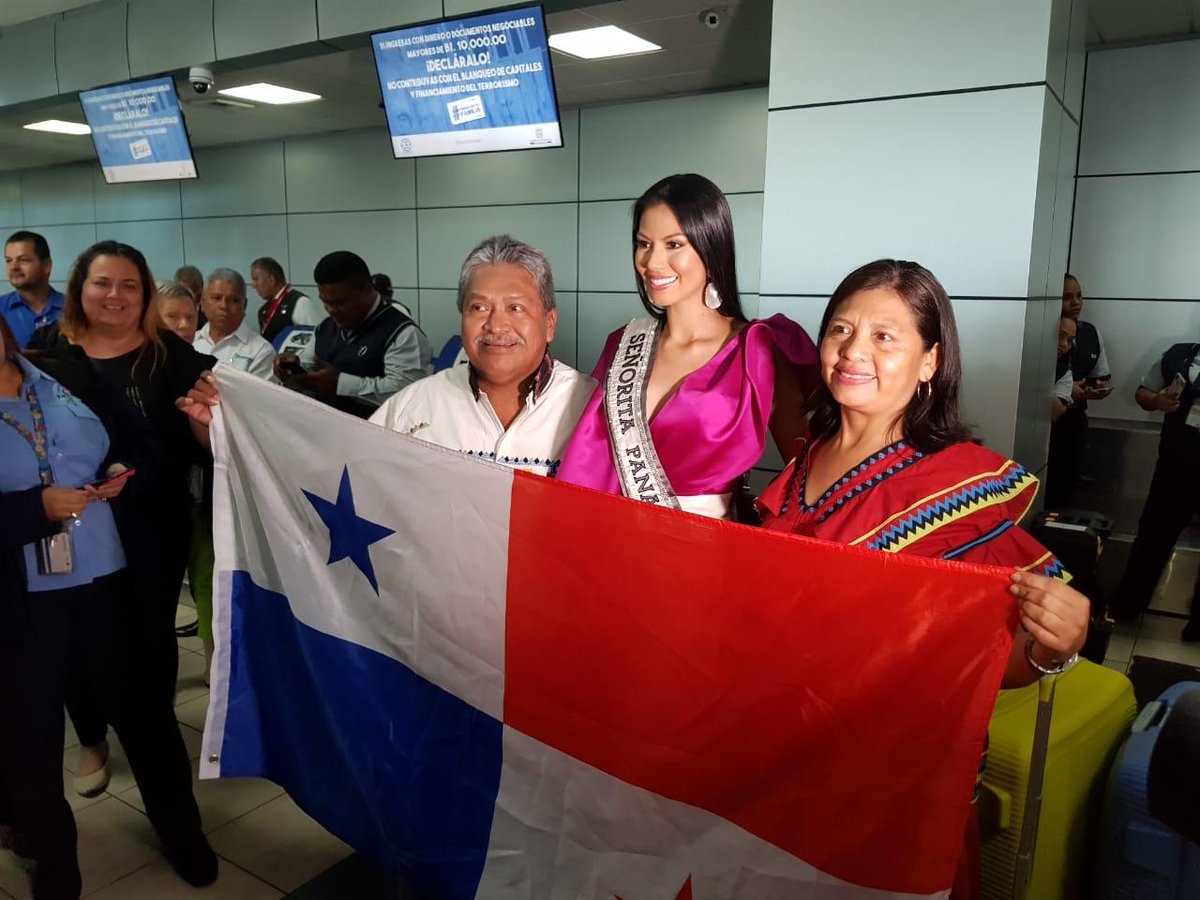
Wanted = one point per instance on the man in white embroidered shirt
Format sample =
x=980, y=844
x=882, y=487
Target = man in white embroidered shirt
x=514, y=404
x=226, y=335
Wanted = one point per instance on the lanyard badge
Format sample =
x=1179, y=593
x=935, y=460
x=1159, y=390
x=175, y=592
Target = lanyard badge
x=56, y=553
x=36, y=438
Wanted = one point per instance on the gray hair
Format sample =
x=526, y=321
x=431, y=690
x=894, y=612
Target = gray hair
x=503, y=248
x=228, y=275
x=175, y=290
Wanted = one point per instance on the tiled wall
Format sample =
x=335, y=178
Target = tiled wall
x=416, y=220
x=944, y=134
x=1137, y=215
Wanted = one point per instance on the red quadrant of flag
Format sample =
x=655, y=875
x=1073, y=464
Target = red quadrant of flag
x=832, y=701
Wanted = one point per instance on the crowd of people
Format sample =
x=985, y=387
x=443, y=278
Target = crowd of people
x=1170, y=388
x=106, y=400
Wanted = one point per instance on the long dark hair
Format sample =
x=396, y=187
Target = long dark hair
x=703, y=214
x=11, y=348
x=74, y=323
x=929, y=424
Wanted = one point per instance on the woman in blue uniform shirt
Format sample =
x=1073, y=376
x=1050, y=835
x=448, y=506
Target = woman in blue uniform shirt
x=61, y=570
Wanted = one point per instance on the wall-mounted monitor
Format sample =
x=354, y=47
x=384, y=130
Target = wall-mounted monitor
x=139, y=132
x=469, y=85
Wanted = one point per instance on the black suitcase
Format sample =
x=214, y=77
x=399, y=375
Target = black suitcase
x=1077, y=538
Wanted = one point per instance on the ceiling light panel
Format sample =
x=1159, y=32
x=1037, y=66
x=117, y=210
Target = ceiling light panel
x=601, y=43
x=58, y=126
x=264, y=92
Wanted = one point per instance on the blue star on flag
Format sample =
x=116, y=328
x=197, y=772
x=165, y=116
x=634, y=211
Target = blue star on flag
x=350, y=535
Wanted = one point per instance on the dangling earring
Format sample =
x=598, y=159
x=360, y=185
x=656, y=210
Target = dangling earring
x=923, y=398
x=712, y=299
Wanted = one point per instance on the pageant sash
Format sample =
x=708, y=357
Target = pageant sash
x=638, y=466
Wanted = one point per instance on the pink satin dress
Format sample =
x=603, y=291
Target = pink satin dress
x=713, y=429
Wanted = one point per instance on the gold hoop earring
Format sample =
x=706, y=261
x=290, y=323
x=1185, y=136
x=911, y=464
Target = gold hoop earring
x=924, y=398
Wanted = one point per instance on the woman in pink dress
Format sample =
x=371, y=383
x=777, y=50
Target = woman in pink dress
x=687, y=395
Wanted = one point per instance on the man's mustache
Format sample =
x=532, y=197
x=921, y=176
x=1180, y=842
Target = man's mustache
x=500, y=340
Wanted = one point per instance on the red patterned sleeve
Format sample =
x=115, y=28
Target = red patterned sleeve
x=1016, y=548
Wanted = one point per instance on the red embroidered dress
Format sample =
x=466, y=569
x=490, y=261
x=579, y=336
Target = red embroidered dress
x=963, y=502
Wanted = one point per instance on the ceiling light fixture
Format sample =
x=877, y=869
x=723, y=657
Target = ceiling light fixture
x=602, y=42
x=60, y=127
x=263, y=92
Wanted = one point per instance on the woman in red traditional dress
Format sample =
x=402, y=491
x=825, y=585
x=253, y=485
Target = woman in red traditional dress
x=889, y=465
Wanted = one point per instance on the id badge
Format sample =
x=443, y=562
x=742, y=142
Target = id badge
x=56, y=554
x=1193, y=416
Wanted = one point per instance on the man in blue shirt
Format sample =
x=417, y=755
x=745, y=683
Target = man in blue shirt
x=34, y=303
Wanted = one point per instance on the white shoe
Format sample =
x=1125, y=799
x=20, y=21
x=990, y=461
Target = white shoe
x=93, y=783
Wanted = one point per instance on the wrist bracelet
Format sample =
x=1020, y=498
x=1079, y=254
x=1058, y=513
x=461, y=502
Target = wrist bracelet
x=1054, y=670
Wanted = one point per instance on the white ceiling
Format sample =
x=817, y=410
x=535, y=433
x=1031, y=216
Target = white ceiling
x=14, y=12
x=694, y=58
x=1132, y=21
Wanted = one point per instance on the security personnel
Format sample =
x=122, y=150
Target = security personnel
x=1172, y=386
x=283, y=306
x=366, y=350
x=1092, y=377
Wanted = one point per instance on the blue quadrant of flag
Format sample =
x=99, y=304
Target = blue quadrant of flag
x=392, y=764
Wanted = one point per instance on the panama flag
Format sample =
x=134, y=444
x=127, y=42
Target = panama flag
x=505, y=687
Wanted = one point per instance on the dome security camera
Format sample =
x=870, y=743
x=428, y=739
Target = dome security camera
x=200, y=78
x=711, y=18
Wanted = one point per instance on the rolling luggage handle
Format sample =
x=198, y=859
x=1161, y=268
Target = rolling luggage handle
x=1033, y=792
x=1153, y=715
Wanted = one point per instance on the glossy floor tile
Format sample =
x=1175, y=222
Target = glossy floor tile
x=279, y=843
x=157, y=882
x=119, y=853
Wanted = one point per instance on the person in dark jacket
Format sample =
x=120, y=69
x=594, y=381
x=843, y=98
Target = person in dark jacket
x=109, y=321
x=283, y=307
x=1091, y=380
x=383, y=286
x=1171, y=387
x=366, y=350
x=70, y=442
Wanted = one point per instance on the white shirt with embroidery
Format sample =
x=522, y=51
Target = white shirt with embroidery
x=245, y=349
x=443, y=410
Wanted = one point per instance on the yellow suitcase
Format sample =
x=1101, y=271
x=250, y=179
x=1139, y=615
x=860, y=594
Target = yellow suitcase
x=1093, y=709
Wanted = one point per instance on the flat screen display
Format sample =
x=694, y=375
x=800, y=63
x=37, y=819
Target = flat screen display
x=470, y=85
x=139, y=132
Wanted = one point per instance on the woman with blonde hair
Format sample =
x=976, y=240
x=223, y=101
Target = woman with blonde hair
x=179, y=309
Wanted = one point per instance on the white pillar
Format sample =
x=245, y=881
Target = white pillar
x=942, y=131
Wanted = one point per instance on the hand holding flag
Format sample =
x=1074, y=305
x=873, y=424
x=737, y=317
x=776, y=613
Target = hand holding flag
x=504, y=686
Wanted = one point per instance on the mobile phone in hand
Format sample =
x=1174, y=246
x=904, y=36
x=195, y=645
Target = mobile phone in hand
x=1178, y=383
x=292, y=367
x=103, y=482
